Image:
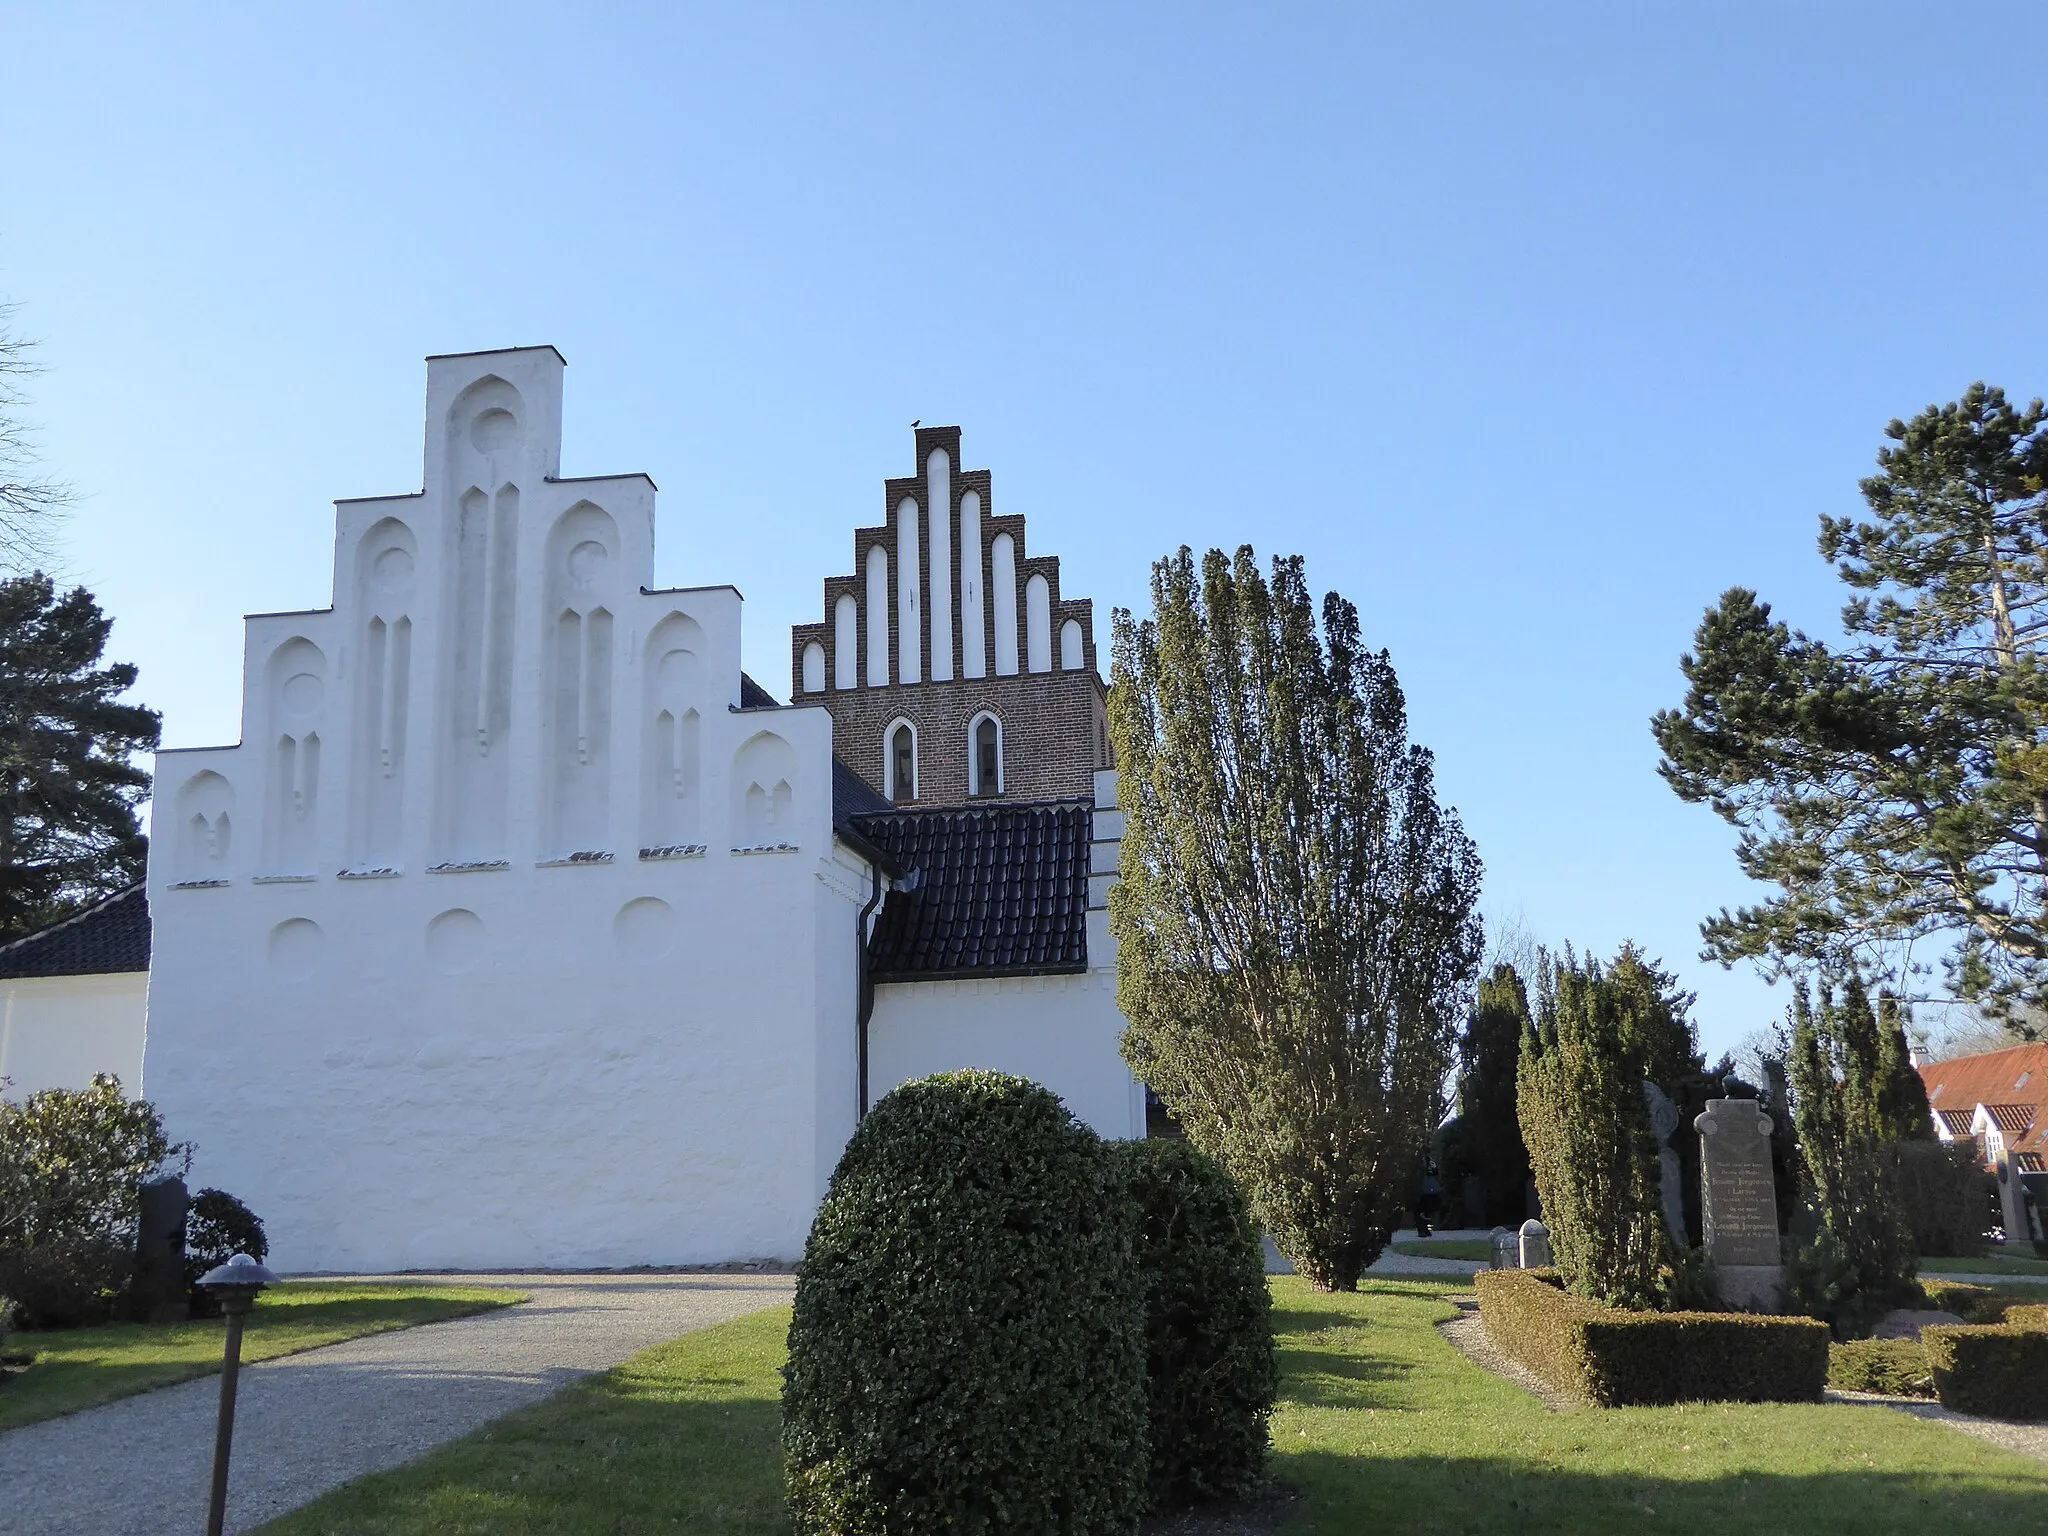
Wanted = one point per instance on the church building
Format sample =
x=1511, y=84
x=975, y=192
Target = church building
x=521, y=927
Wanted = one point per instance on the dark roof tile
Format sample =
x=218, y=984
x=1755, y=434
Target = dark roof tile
x=111, y=936
x=1001, y=890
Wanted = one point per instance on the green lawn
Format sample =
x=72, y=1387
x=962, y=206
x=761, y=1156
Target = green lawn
x=1446, y=1248
x=1990, y=1264
x=1381, y=1424
x=83, y=1367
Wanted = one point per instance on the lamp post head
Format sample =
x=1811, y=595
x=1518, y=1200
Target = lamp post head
x=237, y=1282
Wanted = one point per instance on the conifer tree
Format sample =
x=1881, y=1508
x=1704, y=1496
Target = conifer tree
x=1489, y=1124
x=1895, y=787
x=1297, y=915
x=69, y=782
x=1601, y=1033
x=1856, y=1252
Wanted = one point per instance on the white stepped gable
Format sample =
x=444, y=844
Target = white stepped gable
x=503, y=883
x=493, y=684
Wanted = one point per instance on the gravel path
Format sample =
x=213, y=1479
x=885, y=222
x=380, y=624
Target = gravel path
x=306, y=1422
x=1467, y=1335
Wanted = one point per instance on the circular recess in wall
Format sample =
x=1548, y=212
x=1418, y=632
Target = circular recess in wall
x=455, y=941
x=392, y=570
x=295, y=946
x=586, y=561
x=302, y=692
x=644, y=930
x=493, y=431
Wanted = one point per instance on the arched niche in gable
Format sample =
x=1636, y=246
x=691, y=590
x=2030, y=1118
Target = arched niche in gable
x=675, y=693
x=1038, y=623
x=764, y=780
x=486, y=429
x=295, y=694
x=1073, y=652
x=387, y=577
x=583, y=579
x=205, y=827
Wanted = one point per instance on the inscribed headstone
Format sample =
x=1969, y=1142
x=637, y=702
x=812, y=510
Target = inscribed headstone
x=1739, y=1201
x=1536, y=1252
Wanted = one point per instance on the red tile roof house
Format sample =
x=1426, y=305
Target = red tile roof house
x=1999, y=1100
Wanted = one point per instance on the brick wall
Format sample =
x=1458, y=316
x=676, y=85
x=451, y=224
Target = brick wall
x=1053, y=730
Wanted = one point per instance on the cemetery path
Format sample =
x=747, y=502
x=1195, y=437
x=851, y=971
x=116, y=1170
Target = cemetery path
x=304, y=1423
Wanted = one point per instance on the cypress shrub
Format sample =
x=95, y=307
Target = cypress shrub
x=1210, y=1368
x=1579, y=1093
x=1947, y=1198
x=967, y=1352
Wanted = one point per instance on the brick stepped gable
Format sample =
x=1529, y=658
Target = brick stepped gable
x=955, y=639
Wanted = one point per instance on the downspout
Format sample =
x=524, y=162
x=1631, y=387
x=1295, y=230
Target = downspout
x=867, y=993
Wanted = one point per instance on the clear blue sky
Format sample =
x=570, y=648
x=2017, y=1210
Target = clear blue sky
x=1532, y=327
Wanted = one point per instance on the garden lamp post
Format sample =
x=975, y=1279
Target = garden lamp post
x=236, y=1283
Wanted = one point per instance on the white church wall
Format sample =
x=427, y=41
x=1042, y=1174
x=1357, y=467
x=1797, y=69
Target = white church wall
x=568, y=977
x=1061, y=1031
x=58, y=1031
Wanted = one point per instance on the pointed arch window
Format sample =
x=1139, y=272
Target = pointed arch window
x=899, y=762
x=985, y=757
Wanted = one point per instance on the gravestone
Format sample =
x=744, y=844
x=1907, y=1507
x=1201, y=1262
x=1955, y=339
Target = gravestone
x=160, y=1252
x=1536, y=1246
x=1664, y=1123
x=1507, y=1249
x=1740, y=1204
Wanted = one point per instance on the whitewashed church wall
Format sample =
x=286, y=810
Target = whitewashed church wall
x=566, y=977
x=59, y=1031
x=1061, y=1031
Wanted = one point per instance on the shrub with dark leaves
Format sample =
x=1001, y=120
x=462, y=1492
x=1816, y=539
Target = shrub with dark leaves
x=71, y=1281
x=218, y=1227
x=1208, y=1323
x=967, y=1350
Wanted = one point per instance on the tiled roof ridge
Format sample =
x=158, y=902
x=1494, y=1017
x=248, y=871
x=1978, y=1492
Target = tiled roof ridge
x=1983, y=1058
x=982, y=808
x=49, y=930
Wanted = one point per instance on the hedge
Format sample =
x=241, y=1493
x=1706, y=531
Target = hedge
x=1897, y=1367
x=1628, y=1359
x=1996, y=1370
x=967, y=1351
x=1210, y=1366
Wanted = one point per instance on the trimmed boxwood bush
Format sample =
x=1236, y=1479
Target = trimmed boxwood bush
x=1894, y=1366
x=1209, y=1360
x=967, y=1352
x=1997, y=1370
x=1619, y=1359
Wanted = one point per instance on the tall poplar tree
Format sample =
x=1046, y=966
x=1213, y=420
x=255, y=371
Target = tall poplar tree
x=69, y=781
x=1297, y=915
x=1895, y=787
